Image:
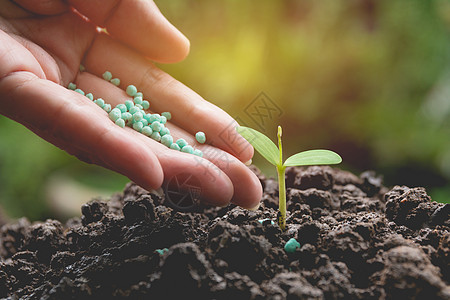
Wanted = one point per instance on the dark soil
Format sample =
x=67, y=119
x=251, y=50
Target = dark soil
x=358, y=240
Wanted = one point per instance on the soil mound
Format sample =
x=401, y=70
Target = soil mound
x=358, y=240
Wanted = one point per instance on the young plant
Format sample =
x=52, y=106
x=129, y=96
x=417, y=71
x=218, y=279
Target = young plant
x=274, y=155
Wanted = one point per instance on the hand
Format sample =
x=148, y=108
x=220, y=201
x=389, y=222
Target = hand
x=43, y=43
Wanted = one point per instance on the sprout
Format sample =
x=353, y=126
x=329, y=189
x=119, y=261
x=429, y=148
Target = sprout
x=274, y=155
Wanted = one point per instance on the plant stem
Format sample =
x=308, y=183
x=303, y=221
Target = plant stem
x=281, y=185
x=281, y=197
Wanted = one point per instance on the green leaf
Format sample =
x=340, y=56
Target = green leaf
x=261, y=143
x=312, y=158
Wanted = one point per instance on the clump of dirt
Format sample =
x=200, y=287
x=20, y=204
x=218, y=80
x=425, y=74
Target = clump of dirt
x=358, y=240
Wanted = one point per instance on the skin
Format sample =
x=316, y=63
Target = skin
x=42, y=44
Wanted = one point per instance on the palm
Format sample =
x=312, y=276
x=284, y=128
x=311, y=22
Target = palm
x=38, y=54
x=57, y=44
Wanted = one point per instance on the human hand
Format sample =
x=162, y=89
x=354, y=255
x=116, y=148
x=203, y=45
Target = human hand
x=43, y=43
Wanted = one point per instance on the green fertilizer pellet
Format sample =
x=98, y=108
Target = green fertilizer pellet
x=90, y=96
x=122, y=107
x=147, y=131
x=154, y=117
x=164, y=131
x=107, y=108
x=291, y=245
x=100, y=102
x=145, y=104
x=115, y=114
x=72, y=86
x=120, y=122
x=161, y=251
x=147, y=117
x=137, y=100
x=115, y=81
x=262, y=221
x=138, y=126
x=126, y=116
x=175, y=146
x=156, y=126
x=129, y=104
x=131, y=90
x=79, y=91
x=187, y=149
x=82, y=68
x=156, y=136
x=134, y=110
x=139, y=94
x=167, y=140
x=200, y=137
x=181, y=142
x=107, y=76
x=137, y=116
x=167, y=114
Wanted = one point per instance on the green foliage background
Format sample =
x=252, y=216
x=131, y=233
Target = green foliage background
x=368, y=79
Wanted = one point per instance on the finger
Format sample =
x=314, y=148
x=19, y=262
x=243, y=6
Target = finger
x=66, y=118
x=138, y=24
x=11, y=10
x=246, y=186
x=188, y=109
x=14, y=57
x=56, y=46
x=213, y=184
x=43, y=7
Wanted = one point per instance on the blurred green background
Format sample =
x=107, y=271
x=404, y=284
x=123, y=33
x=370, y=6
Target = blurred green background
x=368, y=79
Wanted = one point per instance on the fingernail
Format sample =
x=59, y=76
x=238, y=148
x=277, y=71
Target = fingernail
x=255, y=208
x=248, y=163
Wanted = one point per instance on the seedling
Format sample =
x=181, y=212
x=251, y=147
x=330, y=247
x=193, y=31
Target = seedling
x=274, y=155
